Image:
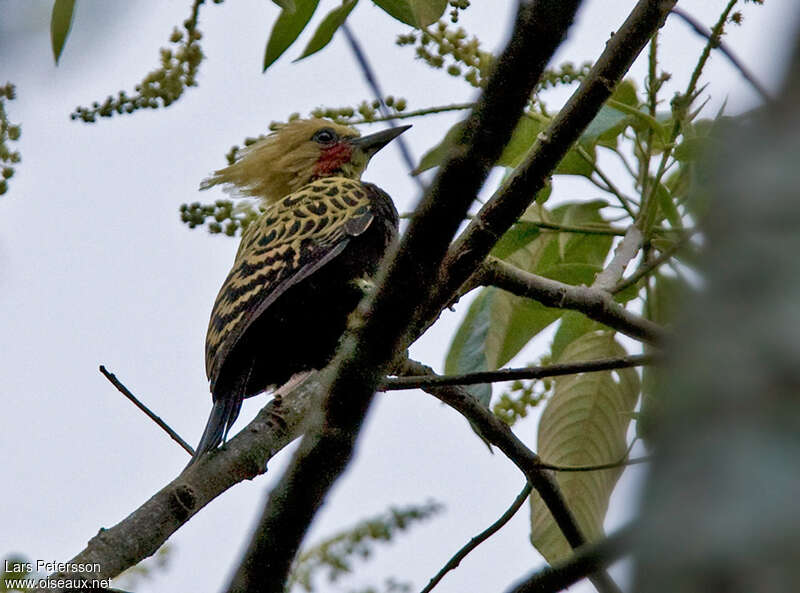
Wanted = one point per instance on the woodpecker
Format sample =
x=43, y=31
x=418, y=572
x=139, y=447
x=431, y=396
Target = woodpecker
x=300, y=268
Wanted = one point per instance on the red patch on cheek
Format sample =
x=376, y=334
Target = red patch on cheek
x=332, y=158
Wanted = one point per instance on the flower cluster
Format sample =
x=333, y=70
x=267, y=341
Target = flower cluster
x=9, y=132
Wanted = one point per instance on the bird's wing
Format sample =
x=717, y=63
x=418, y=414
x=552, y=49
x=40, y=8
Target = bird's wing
x=287, y=243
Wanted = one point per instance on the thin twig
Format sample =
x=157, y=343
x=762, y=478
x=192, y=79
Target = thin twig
x=599, y=467
x=372, y=81
x=723, y=47
x=532, y=372
x=609, y=185
x=164, y=426
x=480, y=538
x=416, y=113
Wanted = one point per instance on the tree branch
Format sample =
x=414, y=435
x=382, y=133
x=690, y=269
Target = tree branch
x=157, y=419
x=624, y=253
x=514, y=196
x=381, y=325
x=586, y=560
x=479, y=539
x=244, y=456
x=498, y=433
x=595, y=304
x=531, y=372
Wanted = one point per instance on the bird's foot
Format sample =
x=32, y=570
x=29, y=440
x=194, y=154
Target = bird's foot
x=364, y=284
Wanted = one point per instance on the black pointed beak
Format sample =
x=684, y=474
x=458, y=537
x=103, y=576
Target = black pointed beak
x=374, y=142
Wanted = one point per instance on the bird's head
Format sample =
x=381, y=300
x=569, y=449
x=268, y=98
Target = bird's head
x=296, y=154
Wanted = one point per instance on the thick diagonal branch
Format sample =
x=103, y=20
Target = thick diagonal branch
x=381, y=329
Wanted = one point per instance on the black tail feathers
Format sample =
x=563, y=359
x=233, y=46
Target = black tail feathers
x=223, y=415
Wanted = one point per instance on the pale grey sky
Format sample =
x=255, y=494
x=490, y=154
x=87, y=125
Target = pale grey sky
x=96, y=268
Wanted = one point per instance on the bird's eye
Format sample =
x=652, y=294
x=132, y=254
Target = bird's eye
x=325, y=136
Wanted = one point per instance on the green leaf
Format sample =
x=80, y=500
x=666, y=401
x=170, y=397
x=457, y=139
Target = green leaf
x=286, y=4
x=522, y=139
x=467, y=352
x=436, y=155
x=642, y=120
x=573, y=325
x=667, y=206
x=328, y=26
x=584, y=423
x=417, y=13
x=514, y=321
x=606, y=119
x=287, y=28
x=517, y=237
x=626, y=93
x=427, y=12
x=398, y=9
x=576, y=247
x=60, y=25
x=574, y=163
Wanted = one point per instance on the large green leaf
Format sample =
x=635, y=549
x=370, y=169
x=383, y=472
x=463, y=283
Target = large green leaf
x=287, y=28
x=417, y=13
x=573, y=325
x=328, y=26
x=514, y=322
x=60, y=24
x=584, y=423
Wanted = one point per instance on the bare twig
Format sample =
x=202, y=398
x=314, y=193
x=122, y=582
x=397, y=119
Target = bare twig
x=723, y=47
x=479, y=539
x=164, y=426
x=532, y=372
x=416, y=113
x=594, y=468
x=595, y=304
x=583, y=562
